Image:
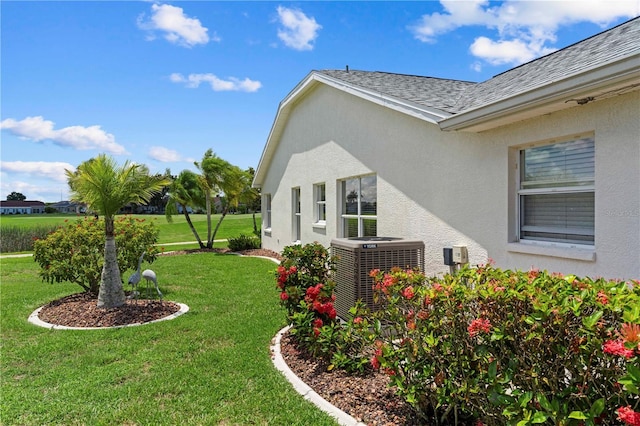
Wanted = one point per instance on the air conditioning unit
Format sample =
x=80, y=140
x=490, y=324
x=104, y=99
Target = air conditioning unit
x=356, y=257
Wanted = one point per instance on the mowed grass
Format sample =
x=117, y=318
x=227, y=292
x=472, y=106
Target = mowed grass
x=210, y=366
x=178, y=231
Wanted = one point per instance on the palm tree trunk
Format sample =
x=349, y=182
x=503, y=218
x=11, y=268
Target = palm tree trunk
x=224, y=213
x=208, y=202
x=193, y=228
x=111, y=294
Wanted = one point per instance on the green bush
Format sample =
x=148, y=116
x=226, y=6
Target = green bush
x=74, y=252
x=244, y=242
x=503, y=347
x=16, y=238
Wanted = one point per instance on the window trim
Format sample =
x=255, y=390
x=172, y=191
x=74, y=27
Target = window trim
x=267, y=209
x=296, y=215
x=533, y=246
x=358, y=216
x=320, y=204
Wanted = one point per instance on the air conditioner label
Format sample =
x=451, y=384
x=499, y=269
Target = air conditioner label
x=369, y=246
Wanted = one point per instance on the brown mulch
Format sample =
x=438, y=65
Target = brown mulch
x=368, y=398
x=81, y=310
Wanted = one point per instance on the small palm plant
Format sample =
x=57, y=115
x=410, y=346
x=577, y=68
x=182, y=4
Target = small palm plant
x=105, y=187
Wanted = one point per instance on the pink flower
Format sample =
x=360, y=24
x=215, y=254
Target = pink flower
x=357, y=320
x=627, y=415
x=374, y=272
x=616, y=347
x=479, y=325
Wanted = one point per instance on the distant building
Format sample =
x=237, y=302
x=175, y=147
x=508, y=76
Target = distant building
x=68, y=207
x=21, y=207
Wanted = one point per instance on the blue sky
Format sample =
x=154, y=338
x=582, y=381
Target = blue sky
x=159, y=83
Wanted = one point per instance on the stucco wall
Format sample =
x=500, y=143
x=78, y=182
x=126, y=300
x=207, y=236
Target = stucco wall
x=451, y=188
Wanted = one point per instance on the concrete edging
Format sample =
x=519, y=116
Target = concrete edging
x=305, y=390
x=33, y=319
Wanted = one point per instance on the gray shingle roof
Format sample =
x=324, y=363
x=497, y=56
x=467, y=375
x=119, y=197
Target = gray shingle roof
x=603, y=48
x=456, y=96
x=428, y=91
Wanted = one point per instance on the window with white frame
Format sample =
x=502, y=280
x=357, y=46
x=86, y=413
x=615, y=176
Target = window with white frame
x=557, y=191
x=267, y=211
x=320, y=196
x=359, y=206
x=295, y=198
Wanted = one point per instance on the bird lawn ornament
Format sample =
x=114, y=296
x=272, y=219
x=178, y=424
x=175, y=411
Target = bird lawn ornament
x=148, y=275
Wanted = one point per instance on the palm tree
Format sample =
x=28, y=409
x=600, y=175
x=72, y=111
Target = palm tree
x=185, y=192
x=105, y=187
x=216, y=173
x=236, y=187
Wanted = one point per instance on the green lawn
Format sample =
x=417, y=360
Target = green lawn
x=210, y=366
x=178, y=231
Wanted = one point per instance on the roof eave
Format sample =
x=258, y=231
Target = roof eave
x=549, y=98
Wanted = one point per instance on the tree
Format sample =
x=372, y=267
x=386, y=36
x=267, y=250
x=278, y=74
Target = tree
x=236, y=186
x=254, y=200
x=217, y=176
x=185, y=191
x=105, y=187
x=16, y=196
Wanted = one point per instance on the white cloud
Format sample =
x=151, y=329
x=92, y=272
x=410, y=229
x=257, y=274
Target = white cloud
x=78, y=137
x=39, y=192
x=164, y=155
x=39, y=169
x=217, y=84
x=524, y=28
x=506, y=51
x=298, y=31
x=176, y=26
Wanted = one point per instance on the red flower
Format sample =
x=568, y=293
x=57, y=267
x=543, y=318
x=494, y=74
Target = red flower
x=408, y=292
x=627, y=415
x=602, y=297
x=332, y=313
x=316, y=331
x=284, y=296
x=616, y=347
x=479, y=325
x=375, y=363
x=317, y=323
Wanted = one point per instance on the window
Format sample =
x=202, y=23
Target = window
x=320, y=195
x=295, y=197
x=359, y=207
x=267, y=209
x=556, y=192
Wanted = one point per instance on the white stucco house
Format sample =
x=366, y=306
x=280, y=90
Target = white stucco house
x=536, y=167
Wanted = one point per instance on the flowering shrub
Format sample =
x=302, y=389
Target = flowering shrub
x=303, y=268
x=306, y=291
x=510, y=347
x=74, y=252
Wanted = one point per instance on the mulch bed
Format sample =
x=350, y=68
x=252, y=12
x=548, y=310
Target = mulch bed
x=81, y=310
x=367, y=398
